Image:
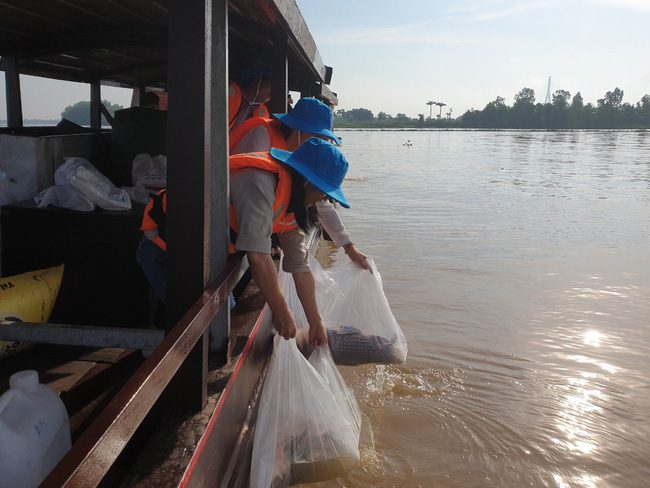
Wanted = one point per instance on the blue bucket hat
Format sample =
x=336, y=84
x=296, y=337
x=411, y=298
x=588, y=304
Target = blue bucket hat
x=310, y=115
x=320, y=163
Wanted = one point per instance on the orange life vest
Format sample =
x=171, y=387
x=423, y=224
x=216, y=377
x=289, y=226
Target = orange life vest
x=282, y=221
x=234, y=102
x=272, y=126
x=154, y=218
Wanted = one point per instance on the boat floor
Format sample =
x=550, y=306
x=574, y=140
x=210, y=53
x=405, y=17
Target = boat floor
x=86, y=379
x=164, y=458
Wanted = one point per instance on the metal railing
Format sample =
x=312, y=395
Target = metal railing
x=97, y=449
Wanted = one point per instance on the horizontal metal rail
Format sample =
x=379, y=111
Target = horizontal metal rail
x=93, y=454
x=81, y=335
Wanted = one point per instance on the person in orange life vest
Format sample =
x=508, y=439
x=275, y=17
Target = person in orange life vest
x=310, y=117
x=276, y=192
x=247, y=100
x=152, y=249
x=151, y=253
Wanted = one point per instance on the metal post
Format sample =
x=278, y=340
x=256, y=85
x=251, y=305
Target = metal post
x=219, y=188
x=14, y=103
x=279, y=83
x=95, y=101
x=197, y=140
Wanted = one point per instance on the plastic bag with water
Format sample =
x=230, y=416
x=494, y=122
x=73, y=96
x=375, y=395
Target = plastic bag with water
x=361, y=328
x=308, y=425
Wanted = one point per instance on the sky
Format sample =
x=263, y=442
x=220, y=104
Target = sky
x=394, y=57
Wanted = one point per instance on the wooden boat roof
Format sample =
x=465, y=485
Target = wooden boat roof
x=124, y=42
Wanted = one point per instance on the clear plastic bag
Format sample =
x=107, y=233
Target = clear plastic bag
x=361, y=329
x=308, y=425
x=99, y=189
x=64, y=196
x=150, y=172
x=63, y=172
x=80, y=174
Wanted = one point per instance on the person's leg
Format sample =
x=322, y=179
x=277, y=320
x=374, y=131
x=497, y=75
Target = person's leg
x=152, y=260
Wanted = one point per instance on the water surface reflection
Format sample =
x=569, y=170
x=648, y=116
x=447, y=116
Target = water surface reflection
x=517, y=265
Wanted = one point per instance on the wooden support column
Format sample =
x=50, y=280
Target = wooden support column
x=95, y=102
x=14, y=102
x=197, y=141
x=219, y=189
x=280, y=70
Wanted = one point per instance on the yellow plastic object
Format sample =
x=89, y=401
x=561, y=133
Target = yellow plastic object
x=28, y=297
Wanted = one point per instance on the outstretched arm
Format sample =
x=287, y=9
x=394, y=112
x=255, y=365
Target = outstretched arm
x=331, y=222
x=356, y=256
x=306, y=290
x=266, y=277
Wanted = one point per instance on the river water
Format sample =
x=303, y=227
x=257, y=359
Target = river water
x=517, y=264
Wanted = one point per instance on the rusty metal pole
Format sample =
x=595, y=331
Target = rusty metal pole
x=279, y=69
x=14, y=102
x=197, y=140
x=95, y=101
x=219, y=188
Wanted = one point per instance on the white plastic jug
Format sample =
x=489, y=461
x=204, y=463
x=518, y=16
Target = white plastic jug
x=34, y=431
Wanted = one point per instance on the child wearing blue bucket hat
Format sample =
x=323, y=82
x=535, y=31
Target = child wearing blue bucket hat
x=276, y=192
x=310, y=117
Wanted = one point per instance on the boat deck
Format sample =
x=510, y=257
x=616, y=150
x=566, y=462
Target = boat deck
x=88, y=378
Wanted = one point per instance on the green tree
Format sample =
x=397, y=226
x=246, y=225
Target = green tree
x=561, y=99
x=577, y=101
x=359, y=115
x=471, y=118
x=556, y=114
x=495, y=114
x=523, y=110
x=613, y=98
x=608, y=113
x=643, y=110
x=525, y=96
x=79, y=113
x=576, y=111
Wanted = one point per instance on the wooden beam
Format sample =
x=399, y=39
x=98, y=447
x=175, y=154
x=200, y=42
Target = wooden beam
x=187, y=261
x=90, y=40
x=14, y=102
x=219, y=179
x=197, y=175
x=279, y=82
x=320, y=91
x=289, y=17
x=95, y=102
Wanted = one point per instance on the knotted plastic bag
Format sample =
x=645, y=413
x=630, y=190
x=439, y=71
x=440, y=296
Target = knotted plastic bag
x=82, y=175
x=361, y=329
x=308, y=424
x=149, y=172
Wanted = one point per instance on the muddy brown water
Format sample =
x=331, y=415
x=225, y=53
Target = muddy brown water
x=517, y=264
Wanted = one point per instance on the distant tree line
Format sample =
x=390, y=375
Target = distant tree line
x=79, y=113
x=564, y=112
